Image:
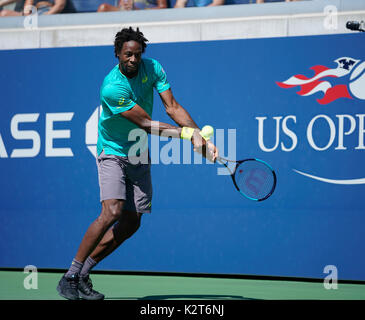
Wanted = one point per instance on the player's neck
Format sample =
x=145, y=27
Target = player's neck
x=128, y=75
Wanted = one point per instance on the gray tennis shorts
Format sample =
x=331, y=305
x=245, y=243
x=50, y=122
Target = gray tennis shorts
x=120, y=179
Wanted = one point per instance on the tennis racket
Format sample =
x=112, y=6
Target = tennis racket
x=253, y=178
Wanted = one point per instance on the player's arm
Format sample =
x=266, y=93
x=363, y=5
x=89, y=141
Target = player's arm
x=177, y=113
x=141, y=118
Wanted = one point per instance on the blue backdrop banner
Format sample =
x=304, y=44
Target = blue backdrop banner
x=297, y=103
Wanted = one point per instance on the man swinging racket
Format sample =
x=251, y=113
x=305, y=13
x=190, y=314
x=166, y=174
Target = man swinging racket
x=125, y=187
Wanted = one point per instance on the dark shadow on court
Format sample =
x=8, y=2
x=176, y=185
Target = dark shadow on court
x=184, y=297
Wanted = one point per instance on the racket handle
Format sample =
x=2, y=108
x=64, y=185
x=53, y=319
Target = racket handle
x=221, y=160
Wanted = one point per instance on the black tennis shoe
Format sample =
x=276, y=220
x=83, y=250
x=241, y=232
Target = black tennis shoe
x=86, y=290
x=67, y=287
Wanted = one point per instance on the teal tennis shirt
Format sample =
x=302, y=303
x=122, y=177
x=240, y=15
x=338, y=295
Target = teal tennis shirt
x=118, y=94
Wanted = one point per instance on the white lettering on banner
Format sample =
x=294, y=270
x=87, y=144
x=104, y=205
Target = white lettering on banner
x=33, y=135
x=290, y=134
x=3, y=153
x=310, y=132
x=52, y=134
x=25, y=135
x=361, y=132
x=261, y=133
x=91, y=130
x=285, y=129
x=343, y=125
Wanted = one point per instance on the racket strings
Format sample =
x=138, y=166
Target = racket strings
x=255, y=179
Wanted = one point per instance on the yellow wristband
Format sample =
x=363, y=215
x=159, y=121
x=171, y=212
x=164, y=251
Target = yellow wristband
x=187, y=133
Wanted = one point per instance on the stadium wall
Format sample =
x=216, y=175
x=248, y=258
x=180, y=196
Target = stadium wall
x=266, y=20
x=50, y=84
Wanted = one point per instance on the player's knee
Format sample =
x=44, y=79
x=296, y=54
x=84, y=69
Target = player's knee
x=112, y=210
x=126, y=226
x=133, y=222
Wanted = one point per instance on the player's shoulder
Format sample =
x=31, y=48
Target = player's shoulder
x=151, y=64
x=113, y=82
x=113, y=76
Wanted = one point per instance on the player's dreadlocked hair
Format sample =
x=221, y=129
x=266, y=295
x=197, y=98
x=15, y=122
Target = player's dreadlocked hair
x=128, y=34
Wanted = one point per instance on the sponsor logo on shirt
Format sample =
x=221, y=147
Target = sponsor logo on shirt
x=123, y=103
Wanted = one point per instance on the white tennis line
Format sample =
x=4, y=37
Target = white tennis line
x=346, y=182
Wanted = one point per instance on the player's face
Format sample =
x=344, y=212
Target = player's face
x=130, y=57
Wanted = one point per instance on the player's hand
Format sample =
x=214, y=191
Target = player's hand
x=206, y=148
x=212, y=151
x=197, y=141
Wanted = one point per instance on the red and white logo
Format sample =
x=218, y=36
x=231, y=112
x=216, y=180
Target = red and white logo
x=347, y=80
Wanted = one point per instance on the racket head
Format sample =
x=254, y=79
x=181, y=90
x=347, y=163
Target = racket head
x=254, y=179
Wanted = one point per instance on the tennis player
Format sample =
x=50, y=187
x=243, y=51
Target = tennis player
x=125, y=186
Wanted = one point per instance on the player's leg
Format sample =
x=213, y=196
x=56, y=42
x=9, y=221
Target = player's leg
x=112, y=182
x=112, y=190
x=69, y=285
x=125, y=227
x=111, y=212
x=138, y=201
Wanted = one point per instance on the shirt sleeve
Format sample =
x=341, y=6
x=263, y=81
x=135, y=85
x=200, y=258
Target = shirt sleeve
x=116, y=98
x=161, y=84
